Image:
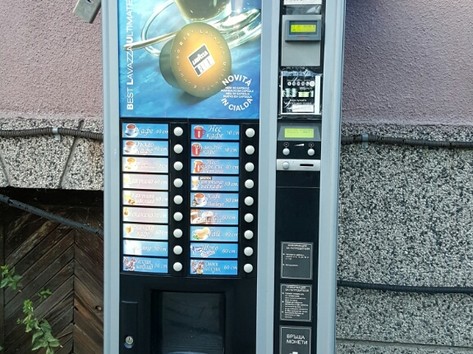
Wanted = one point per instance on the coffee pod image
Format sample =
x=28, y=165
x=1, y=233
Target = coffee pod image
x=197, y=60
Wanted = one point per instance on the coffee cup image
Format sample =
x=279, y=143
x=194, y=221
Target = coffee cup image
x=199, y=199
x=199, y=132
x=198, y=166
x=197, y=60
x=196, y=149
x=131, y=130
x=130, y=147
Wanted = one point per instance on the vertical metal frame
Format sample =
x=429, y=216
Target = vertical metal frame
x=329, y=177
x=267, y=176
x=111, y=176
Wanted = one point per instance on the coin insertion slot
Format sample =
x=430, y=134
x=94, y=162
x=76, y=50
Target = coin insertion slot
x=307, y=165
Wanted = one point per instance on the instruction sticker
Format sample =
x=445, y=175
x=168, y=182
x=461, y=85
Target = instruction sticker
x=296, y=302
x=296, y=260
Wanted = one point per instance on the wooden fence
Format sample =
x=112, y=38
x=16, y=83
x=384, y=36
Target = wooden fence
x=69, y=263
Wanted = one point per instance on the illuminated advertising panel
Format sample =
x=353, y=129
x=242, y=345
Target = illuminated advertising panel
x=204, y=60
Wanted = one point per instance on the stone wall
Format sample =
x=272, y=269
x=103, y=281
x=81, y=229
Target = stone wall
x=406, y=216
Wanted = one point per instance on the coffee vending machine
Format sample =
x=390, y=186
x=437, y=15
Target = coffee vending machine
x=221, y=139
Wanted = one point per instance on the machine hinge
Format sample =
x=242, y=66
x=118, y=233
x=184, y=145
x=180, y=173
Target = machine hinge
x=87, y=9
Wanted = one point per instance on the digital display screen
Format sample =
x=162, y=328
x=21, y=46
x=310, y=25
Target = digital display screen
x=299, y=133
x=303, y=27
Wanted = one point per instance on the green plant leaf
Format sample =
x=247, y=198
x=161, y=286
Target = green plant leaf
x=42, y=336
x=40, y=344
x=54, y=343
x=4, y=269
x=4, y=283
x=36, y=336
x=45, y=326
x=45, y=293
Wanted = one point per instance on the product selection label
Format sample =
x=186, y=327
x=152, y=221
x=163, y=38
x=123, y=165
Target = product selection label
x=215, y=183
x=215, y=149
x=214, y=200
x=145, y=231
x=214, y=250
x=145, y=198
x=214, y=166
x=213, y=267
x=145, y=147
x=145, y=164
x=214, y=217
x=145, y=248
x=149, y=215
x=214, y=233
x=145, y=264
x=145, y=131
x=141, y=181
x=215, y=132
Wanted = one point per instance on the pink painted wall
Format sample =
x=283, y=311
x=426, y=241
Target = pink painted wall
x=409, y=61
x=51, y=62
x=406, y=61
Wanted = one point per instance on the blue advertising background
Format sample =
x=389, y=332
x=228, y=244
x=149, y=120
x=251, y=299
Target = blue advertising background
x=143, y=90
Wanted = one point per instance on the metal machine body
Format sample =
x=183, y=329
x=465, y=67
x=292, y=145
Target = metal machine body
x=222, y=123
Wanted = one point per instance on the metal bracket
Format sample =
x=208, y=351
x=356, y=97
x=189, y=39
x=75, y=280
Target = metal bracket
x=56, y=134
x=87, y=9
x=364, y=140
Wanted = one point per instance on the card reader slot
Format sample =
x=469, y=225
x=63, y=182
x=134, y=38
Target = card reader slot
x=297, y=165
